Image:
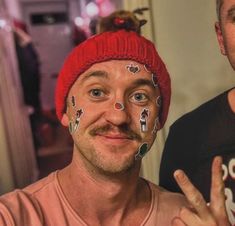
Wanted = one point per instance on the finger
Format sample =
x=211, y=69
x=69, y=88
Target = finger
x=189, y=217
x=177, y=222
x=194, y=197
x=217, y=204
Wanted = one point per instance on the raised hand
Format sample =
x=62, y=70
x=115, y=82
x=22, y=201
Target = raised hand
x=203, y=214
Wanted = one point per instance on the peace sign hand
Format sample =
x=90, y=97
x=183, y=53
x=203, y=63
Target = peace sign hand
x=202, y=214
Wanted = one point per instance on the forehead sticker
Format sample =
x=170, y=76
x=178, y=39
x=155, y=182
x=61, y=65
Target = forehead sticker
x=133, y=68
x=156, y=125
x=154, y=79
x=119, y=106
x=143, y=120
x=77, y=119
x=147, y=68
x=159, y=101
x=143, y=149
x=73, y=101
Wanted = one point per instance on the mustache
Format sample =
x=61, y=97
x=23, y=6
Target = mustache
x=123, y=129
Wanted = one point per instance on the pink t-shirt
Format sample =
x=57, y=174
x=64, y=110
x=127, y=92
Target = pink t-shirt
x=44, y=204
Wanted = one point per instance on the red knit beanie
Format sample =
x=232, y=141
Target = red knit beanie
x=118, y=45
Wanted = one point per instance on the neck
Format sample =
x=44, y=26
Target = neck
x=231, y=99
x=105, y=198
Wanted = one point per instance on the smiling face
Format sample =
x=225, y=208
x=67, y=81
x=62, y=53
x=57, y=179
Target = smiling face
x=225, y=30
x=108, y=137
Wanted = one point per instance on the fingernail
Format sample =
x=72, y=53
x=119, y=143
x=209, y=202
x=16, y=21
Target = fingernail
x=218, y=159
x=178, y=174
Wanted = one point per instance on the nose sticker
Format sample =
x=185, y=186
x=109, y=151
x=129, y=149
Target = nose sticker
x=133, y=68
x=119, y=106
x=143, y=120
x=143, y=149
x=77, y=120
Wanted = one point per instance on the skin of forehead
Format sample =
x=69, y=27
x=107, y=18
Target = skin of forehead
x=93, y=68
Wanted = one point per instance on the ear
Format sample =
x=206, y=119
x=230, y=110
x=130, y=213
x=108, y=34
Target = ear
x=65, y=120
x=220, y=38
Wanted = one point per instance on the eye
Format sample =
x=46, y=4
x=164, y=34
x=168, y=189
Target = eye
x=139, y=98
x=97, y=93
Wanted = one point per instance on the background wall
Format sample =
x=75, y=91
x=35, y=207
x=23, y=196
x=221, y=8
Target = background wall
x=183, y=32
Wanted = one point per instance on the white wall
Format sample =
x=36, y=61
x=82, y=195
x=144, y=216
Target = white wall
x=186, y=40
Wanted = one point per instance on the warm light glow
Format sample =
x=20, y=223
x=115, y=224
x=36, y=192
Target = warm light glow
x=92, y=9
x=79, y=21
x=99, y=1
x=3, y=23
x=106, y=7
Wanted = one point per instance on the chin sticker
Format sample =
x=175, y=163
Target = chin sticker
x=154, y=80
x=143, y=120
x=156, y=125
x=73, y=101
x=143, y=149
x=119, y=106
x=77, y=120
x=147, y=68
x=133, y=68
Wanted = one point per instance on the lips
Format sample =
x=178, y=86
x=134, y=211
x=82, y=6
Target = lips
x=115, y=136
x=113, y=139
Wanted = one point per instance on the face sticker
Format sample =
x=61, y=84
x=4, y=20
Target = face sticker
x=159, y=101
x=71, y=127
x=156, y=126
x=143, y=149
x=133, y=68
x=73, y=101
x=147, y=68
x=143, y=120
x=119, y=106
x=154, y=79
x=77, y=120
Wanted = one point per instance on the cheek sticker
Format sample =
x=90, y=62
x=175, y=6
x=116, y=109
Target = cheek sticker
x=143, y=149
x=154, y=80
x=143, y=120
x=119, y=106
x=156, y=126
x=73, y=101
x=159, y=101
x=71, y=127
x=133, y=68
x=77, y=119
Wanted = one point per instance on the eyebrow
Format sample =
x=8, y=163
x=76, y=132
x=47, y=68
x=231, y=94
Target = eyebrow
x=143, y=82
x=231, y=11
x=100, y=74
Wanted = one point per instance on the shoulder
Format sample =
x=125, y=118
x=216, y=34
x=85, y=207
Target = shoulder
x=166, y=205
x=25, y=204
x=41, y=185
x=166, y=198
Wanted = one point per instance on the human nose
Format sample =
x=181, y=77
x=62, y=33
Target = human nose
x=118, y=114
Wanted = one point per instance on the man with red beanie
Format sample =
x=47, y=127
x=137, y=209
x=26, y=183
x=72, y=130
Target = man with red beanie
x=113, y=94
